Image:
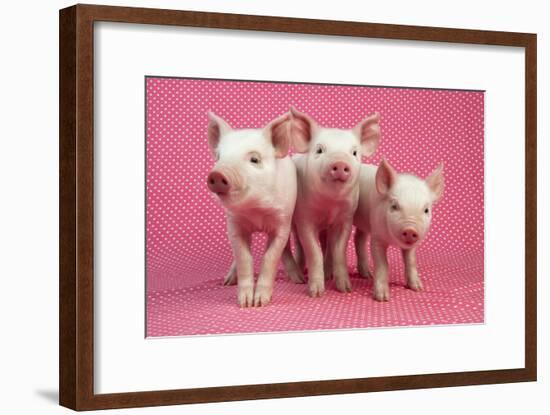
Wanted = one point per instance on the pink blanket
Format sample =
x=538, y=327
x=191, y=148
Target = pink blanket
x=187, y=248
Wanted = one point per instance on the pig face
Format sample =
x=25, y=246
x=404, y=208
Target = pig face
x=334, y=155
x=407, y=203
x=245, y=168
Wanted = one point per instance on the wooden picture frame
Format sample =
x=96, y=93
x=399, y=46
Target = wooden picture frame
x=76, y=233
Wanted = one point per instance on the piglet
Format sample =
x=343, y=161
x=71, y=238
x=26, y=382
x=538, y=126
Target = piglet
x=396, y=210
x=255, y=181
x=328, y=191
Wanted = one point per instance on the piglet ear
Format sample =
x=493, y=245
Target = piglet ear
x=436, y=182
x=385, y=177
x=278, y=131
x=216, y=128
x=302, y=130
x=368, y=132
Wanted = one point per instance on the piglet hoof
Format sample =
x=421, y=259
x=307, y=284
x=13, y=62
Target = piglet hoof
x=230, y=278
x=415, y=285
x=246, y=296
x=316, y=288
x=262, y=296
x=382, y=292
x=343, y=285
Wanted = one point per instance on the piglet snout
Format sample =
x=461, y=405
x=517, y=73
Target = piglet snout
x=218, y=182
x=340, y=170
x=409, y=235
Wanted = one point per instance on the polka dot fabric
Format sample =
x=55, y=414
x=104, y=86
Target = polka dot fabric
x=188, y=252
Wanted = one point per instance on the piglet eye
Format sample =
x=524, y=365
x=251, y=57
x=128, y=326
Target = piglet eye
x=319, y=150
x=394, y=207
x=254, y=160
x=354, y=153
x=426, y=211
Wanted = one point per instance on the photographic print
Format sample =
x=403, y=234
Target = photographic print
x=288, y=206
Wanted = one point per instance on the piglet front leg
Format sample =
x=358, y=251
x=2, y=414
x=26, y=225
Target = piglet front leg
x=314, y=259
x=275, y=245
x=245, y=267
x=381, y=284
x=337, y=243
x=411, y=271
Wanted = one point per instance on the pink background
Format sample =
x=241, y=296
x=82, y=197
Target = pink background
x=187, y=248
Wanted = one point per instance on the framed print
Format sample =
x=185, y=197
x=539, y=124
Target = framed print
x=255, y=207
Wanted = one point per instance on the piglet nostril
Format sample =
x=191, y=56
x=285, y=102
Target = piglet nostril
x=346, y=169
x=224, y=182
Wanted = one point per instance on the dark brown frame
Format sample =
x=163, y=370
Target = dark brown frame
x=76, y=178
